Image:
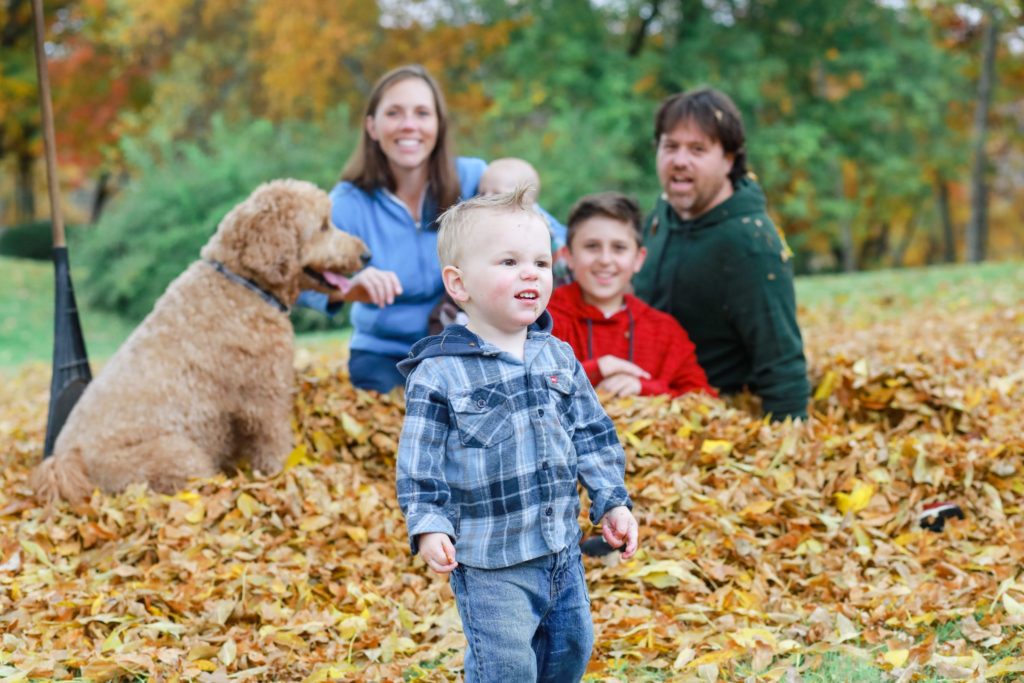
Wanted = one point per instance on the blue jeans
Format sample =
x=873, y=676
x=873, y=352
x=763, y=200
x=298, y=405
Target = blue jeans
x=528, y=622
x=376, y=371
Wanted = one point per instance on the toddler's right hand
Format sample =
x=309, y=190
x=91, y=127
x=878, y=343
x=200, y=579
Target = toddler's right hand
x=437, y=551
x=613, y=365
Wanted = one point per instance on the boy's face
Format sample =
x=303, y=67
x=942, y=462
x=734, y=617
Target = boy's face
x=693, y=170
x=503, y=278
x=604, y=256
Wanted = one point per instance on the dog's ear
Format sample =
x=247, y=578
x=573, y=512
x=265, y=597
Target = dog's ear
x=259, y=238
x=270, y=248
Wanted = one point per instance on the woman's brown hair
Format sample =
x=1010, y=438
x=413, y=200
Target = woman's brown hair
x=368, y=167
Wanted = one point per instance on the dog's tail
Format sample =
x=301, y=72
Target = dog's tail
x=62, y=476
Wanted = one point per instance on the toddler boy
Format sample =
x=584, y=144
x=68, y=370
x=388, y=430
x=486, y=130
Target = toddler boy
x=626, y=347
x=500, y=423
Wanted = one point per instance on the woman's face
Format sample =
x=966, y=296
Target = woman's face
x=405, y=124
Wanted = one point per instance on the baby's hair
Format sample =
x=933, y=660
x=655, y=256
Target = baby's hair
x=457, y=221
x=614, y=205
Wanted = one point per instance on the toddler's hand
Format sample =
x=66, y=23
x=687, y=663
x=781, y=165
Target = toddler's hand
x=618, y=527
x=437, y=551
x=613, y=365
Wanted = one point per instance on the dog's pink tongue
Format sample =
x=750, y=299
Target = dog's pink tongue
x=338, y=281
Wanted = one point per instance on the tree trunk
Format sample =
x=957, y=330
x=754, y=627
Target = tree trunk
x=646, y=18
x=847, y=247
x=24, y=190
x=99, y=199
x=899, y=253
x=977, y=227
x=946, y=219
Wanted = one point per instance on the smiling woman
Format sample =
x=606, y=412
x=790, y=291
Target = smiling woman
x=400, y=178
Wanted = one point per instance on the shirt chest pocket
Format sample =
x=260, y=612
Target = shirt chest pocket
x=560, y=393
x=482, y=417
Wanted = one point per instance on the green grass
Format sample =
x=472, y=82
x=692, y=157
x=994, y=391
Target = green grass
x=26, y=306
x=26, y=319
x=893, y=290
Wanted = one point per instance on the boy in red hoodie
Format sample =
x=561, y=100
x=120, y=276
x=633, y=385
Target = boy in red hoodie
x=625, y=346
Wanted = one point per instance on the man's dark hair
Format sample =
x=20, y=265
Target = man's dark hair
x=614, y=205
x=715, y=114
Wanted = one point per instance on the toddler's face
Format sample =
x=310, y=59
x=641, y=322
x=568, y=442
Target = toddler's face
x=603, y=257
x=505, y=265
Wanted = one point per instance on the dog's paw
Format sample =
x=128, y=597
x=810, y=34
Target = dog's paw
x=268, y=469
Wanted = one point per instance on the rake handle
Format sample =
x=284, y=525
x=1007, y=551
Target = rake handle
x=56, y=219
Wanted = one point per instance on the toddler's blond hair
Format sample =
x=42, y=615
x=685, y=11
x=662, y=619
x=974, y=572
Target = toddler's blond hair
x=460, y=219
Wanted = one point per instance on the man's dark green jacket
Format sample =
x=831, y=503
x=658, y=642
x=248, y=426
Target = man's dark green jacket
x=726, y=276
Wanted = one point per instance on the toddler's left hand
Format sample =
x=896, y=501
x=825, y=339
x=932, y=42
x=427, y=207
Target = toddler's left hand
x=618, y=527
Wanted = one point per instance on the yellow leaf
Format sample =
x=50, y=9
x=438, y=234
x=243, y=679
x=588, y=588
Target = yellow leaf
x=785, y=479
x=227, y=652
x=1013, y=608
x=826, y=387
x=314, y=523
x=750, y=638
x=351, y=425
x=321, y=442
x=809, y=547
x=896, y=658
x=716, y=447
x=205, y=665
x=758, y=508
x=298, y=456
x=247, y=505
x=845, y=629
x=684, y=657
x=722, y=655
x=196, y=514
x=856, y=500
x=357, y=534
x=35, y=550
x=664, y=574
x=639, y=426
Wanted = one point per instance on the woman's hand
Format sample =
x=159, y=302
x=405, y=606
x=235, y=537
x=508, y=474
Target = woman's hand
x=373, y=286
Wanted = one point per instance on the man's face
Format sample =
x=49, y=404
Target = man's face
x=693, y=170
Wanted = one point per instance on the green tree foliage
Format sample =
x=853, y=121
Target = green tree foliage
x=858, y=112
x=157, y=225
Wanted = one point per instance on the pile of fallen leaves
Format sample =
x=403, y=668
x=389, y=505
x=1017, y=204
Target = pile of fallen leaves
x=764, y=545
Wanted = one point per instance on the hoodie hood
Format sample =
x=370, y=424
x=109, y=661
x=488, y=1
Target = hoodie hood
x=568, y=301
x=457, y=340
x=747, y=199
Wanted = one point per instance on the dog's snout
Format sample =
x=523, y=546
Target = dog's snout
x=365, y=257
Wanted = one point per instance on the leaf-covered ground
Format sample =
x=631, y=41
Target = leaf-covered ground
x=770, y=552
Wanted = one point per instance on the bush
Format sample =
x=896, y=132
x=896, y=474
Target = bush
x=28, y=240
x=156, y=226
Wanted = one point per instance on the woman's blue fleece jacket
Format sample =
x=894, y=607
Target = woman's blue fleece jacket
x=398, y=244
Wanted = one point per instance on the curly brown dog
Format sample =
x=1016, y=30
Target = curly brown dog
x=207, y=377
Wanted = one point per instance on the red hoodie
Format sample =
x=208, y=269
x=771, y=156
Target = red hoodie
x=661, y=346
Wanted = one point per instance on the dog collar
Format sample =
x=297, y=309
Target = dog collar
x=249, y=284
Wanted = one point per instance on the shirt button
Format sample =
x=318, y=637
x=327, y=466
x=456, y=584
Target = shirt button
x=549, y=512
x=540, y=411
x=543, y=465
x=481, y=403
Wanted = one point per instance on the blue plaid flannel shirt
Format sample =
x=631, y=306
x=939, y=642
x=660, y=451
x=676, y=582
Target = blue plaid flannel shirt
x=492, y=447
